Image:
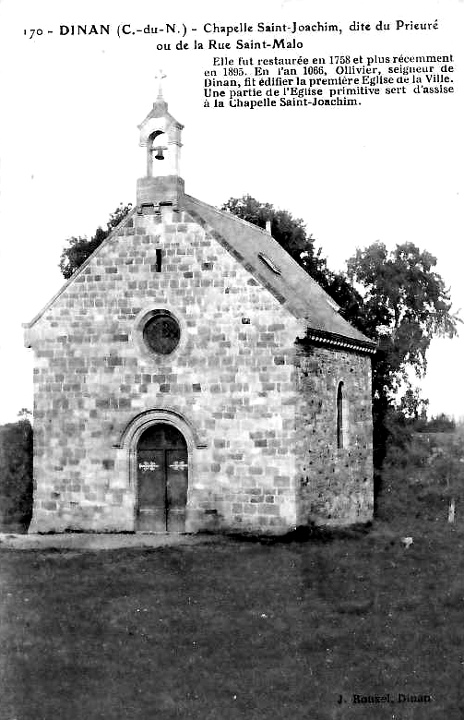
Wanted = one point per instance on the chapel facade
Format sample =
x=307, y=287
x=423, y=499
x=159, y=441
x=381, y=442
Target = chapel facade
x=192, y=376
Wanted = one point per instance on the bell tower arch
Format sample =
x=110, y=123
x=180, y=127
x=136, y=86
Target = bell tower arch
x=160, y=135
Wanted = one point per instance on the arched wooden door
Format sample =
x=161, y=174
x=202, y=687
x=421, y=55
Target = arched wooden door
x=162, y=479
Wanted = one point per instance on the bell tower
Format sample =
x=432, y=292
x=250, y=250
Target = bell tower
x=160, y=135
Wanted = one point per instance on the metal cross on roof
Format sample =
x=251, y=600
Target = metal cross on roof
x=160, y=76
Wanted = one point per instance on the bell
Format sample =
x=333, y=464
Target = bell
x=159, y=153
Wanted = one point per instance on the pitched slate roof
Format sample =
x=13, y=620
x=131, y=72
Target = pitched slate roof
x=274, y=268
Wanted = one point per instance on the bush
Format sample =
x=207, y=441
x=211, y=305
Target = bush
x=421, y=477
x=438, y=424
x=16, y=475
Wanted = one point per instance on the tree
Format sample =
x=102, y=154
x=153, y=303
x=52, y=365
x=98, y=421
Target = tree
x=80, y=248
x=25, y=413
x=16, y=473
x=289, y=232
x=413, y=407
x=406, y=304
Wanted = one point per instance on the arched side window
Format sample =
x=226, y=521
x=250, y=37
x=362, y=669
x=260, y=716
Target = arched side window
x=340, y=415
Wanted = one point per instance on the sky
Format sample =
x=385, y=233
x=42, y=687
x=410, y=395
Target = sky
x=389, y=170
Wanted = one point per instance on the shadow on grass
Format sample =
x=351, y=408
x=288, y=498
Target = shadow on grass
x=303, y=534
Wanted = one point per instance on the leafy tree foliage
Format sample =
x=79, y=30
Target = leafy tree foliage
x=79, y=248
x=413, y=407
x=25, y=413
x=289, y=232
x=16, y=473
x=406, y=305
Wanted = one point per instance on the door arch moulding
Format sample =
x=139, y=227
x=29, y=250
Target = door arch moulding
x=126, y=449
x=169, y=415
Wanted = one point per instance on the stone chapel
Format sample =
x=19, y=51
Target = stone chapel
x=192, y=376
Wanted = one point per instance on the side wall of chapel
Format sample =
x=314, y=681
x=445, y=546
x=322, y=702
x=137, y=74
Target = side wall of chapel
x=231, y=380
x=333, y=444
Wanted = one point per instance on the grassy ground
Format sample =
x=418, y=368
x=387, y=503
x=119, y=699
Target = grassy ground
x=247, y=630
x=238, y=629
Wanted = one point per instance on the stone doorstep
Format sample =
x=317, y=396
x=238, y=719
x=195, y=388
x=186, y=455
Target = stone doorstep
x=99, y=541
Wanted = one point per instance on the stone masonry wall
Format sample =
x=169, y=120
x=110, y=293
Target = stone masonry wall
x=232, y=378
x=335, y=484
